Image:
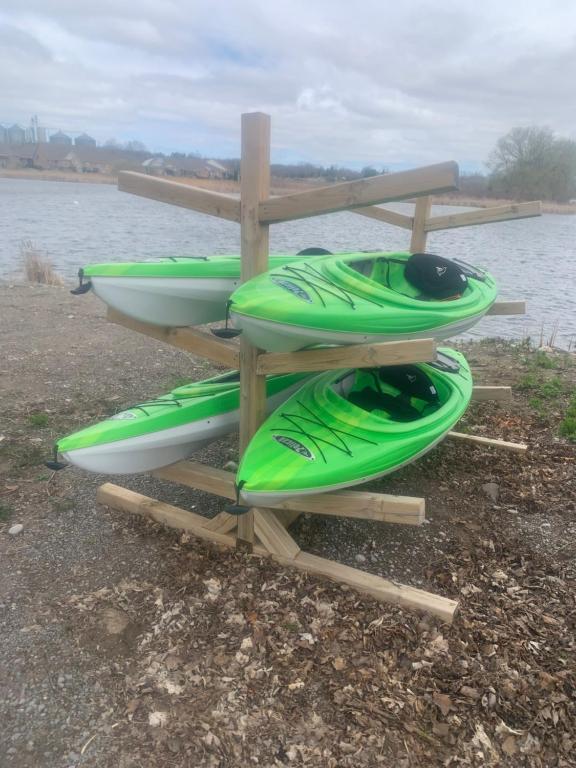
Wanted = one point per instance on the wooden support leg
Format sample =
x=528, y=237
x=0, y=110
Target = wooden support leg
x=254, y=188
x=281, y=549
x=419, y=234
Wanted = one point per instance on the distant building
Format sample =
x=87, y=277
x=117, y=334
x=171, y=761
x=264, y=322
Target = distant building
x=84, y=141
x=16, y=135
x=17, y=155
x=41, y=135
x=3, y=135
x=60, y=138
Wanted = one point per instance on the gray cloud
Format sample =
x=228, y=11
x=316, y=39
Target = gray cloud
x=344, y=83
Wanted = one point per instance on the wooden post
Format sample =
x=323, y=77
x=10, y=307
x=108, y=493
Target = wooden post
x=254, y=188
x=421, y=214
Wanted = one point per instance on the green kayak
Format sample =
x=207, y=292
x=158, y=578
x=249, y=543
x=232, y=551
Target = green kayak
x=346, y=427
x=174, y=291
x=361, y=297
x=169, y=428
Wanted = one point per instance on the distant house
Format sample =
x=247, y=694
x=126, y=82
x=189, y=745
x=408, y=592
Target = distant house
x=154, y=166
x=219, y=170
x=16, y=134
x=84, y=141
x=60, y=138
x=17, y=155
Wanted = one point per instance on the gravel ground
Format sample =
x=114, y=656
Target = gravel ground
x=84, y=591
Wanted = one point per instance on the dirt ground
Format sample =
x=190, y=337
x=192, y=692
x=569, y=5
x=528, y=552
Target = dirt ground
x=126, y=645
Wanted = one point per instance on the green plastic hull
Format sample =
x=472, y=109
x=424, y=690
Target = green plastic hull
x=350, y=299
x=342, y=428
x=166, y=429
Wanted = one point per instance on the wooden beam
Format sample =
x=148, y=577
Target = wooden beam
x=363, y=505
x=386, y=216
x=485, y=216
x=421, y=213
x=182, y=195
x=273, y=534
x=507, y=308
x=254, y=244
x=224, y=523
x=490, y=441
x=192, y=340
x=129, y=501
x=481, y=393
x=381, y=589
x=359, y=194
x=376, y=586
x=353, y=356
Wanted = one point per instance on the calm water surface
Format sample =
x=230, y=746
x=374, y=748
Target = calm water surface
x=76, y=223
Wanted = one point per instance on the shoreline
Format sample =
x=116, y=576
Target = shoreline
x=278, y=186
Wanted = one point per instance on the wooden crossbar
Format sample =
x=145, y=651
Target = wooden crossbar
x=482, y=393
x=507, y=308
x=363, y=505
x=442, y=177
x=489, y=441
x=484, y=216
x=353, y=356
x=386, y=216
x=182, y=195
x=192, y=340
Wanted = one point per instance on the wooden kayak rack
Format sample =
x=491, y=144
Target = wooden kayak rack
x=264, y=531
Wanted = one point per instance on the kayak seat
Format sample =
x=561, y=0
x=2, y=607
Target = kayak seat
x=397, y=407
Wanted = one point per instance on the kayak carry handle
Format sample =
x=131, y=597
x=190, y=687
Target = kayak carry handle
x=55, y=465
x=83, y=287
x=226, y=332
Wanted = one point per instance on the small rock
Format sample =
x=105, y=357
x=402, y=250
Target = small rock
x=360, y=558
x=16, y=529
x=231, y=466
x=492, y=490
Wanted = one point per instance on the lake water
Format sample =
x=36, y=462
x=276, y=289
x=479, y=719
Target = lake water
x=76, y=224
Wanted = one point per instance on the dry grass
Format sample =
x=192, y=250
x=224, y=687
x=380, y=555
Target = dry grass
x=37, y=268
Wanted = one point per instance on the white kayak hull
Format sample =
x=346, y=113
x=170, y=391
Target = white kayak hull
x=167, y=301
x=160, y=449
x=283, y=337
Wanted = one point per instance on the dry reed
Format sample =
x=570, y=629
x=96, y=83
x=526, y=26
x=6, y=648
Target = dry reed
x=37, y=268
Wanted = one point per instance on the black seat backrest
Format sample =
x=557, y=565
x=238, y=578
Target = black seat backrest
x=435, y=276
x=410, y=380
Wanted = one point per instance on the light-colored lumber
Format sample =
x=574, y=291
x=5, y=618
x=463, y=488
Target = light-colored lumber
x=222, y=523
x=353, y=356
x=421, y=214
x=359, y=194
x=254, y=246
x=386, y=216
x=485, y=216
x=387, y=591
x=482, y=393
x=136, y=503
x=273, y=534
x=192, y=340
x=376, y=586
x=182, y=195
x=507, y=308
x=362, y=505
x=491, y=441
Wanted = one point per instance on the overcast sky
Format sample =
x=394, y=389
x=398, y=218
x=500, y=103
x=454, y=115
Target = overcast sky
x=350, y=83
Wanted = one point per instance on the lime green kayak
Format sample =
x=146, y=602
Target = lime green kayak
x=174, y=291
x=361, y=297
x=346, y=427
x=169, y=428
